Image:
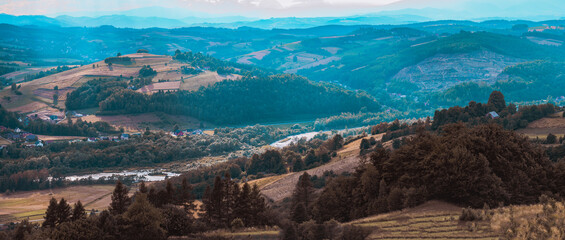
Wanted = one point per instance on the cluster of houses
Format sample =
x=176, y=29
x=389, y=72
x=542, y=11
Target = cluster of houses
x=19, y=136
x=180, y=133
x=544, y=28
x=123, y=136
x=31, y=140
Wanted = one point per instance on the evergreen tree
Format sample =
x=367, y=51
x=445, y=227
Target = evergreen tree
x=120, y=199
x=216, y=204
x=258, y=206
x=244, y=204
x=51, y=214
x=302, y=196
x=170, y=193
x=64, y=211
x=185, y=196
x=78, y=211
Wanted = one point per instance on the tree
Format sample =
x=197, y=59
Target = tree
x=120, y=199
x=551, y=139
x=496, y=101
x=51, y=214
x=64, y=211
x=119, y=54
x=302, y=196
x=185, y=198
x=78, y=212
x=176, y=221
x=142, y=187
x=243, y=205
x=298, y=165
x=143, y=221
x=14, y=87
x=55, y=99
x=365, y=144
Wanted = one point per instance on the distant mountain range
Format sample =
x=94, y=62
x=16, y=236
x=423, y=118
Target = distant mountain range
x=124, y=21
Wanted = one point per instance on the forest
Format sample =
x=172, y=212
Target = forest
x=249, y=100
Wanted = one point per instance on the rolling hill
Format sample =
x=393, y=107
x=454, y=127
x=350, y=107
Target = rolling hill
x=186, y=84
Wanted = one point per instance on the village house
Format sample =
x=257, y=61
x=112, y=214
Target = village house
x=31, y=138
x=124, y=136
x=492, y=115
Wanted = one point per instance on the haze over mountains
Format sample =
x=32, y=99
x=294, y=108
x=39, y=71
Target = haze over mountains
x=286, y=16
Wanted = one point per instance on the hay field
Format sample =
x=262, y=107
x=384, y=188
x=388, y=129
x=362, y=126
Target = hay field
x=32, y=204
x=554, y=124
x=432, y=220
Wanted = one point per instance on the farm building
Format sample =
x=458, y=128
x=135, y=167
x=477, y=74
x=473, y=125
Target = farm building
x=31, y=138
x=492, y=115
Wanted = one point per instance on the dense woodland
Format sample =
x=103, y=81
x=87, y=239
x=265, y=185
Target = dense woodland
x=251, y=99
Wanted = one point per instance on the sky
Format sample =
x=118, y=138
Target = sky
x=468, y=9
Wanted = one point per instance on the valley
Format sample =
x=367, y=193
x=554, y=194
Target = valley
x=300, y=128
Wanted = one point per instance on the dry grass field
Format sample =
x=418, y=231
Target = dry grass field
x=432, y=220
x=4, y=141
x=205, y=79
x=554, y=124
x=32, y=204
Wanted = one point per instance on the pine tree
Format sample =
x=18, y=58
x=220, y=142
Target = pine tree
x=302, y=195
x=243, y=205
x=51, y=214
x=217, y=201
x=185, y=196
x=207, y=207
x=298, y=213
x=170, y=193
x=78, y=211
x=258, y=206
x=231, y=193
x=64, y=211
x=120, y=199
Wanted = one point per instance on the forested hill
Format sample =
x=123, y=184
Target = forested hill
x=252, y=99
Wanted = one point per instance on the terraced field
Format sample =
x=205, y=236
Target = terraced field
x=432, y=220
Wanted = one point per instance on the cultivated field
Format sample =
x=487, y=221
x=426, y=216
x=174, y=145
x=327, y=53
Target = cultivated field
x=554, y=124
x=432, y=220
x=38, y=93
x=138, y=122
x=32, y=204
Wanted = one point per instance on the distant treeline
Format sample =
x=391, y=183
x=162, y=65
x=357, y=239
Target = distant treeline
x=46, y=73
x=251, y=99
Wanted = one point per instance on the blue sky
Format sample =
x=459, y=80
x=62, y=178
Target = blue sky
x=467, y=9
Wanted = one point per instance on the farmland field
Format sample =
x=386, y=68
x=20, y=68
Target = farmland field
x=432, y=220
x=554, y=124
x=32, y=204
